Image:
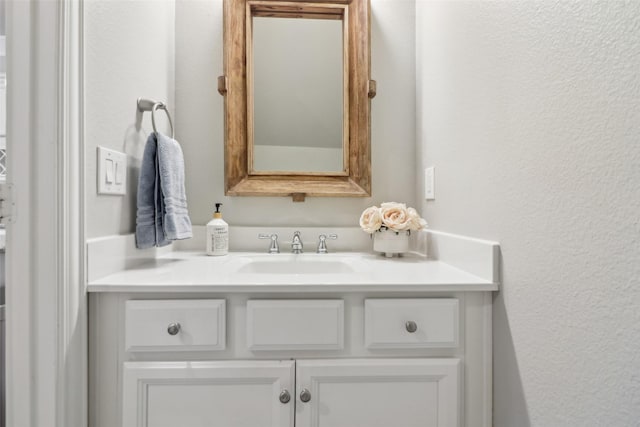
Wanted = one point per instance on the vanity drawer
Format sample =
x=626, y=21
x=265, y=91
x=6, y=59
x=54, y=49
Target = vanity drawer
x=295, y=324
x=411, y=323
x=175, y=325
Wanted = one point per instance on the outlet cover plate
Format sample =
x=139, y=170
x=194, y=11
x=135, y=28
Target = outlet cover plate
x=429, y=180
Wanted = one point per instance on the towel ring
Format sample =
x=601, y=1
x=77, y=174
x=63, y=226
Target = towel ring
x=149, y=105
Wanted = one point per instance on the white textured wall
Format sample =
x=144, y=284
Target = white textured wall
x=129, y=53
x=530, y=112
x=199, y=120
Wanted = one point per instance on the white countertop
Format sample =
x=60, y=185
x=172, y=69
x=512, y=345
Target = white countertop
x=195, y=272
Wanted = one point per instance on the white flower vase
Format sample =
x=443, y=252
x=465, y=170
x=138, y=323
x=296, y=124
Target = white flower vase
x=391, y=242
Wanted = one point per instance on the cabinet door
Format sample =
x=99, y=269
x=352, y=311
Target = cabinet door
x=199, y=394
x=377, y=393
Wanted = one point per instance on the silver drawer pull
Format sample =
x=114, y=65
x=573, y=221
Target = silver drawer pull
x=285, y=397
x=173, y=328
x=305, y=395
x=411, y=326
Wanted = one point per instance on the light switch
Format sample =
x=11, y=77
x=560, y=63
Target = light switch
x=112, y=172
x=118, y=173
x=109, y=170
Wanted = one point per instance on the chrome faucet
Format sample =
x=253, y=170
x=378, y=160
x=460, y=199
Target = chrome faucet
x=296, y=243
x=273, y=246
x=322, y=242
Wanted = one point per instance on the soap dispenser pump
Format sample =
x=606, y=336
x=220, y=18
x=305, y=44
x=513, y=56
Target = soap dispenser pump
x=217, y=234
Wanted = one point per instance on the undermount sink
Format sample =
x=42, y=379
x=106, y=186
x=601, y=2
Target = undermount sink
x=295, y=264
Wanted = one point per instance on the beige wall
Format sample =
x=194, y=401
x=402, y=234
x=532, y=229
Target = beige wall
x=530, y=112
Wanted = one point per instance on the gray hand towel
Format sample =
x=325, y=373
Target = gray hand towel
x=161, y=237
x=175, y=220
x=149, y=230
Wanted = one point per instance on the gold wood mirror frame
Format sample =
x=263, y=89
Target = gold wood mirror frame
x=240, y=179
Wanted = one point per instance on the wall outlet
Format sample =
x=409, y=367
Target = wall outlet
x=112, y=172
x=429, y=187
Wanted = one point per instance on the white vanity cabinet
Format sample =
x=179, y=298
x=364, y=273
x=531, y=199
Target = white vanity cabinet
x=324, y=393
x=334, y=359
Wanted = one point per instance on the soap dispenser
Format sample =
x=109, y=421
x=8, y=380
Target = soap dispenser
x=217, y=234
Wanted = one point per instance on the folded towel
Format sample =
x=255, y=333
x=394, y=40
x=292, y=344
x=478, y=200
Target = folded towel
x=158, y=201
x=162, y=213
x=146, y=231
x=176, y=223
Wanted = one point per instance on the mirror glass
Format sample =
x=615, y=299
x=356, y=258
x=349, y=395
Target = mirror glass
x=298, y=95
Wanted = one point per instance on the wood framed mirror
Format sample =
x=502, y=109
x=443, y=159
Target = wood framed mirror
x=297, y=110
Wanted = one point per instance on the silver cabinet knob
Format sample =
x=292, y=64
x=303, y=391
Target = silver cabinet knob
x=285, y=397
x=305, y=395
x=173, y=328
x=411, y=326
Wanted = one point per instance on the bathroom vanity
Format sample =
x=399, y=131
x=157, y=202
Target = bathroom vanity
x=263, y=340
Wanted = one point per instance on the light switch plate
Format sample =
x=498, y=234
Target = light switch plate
x=429, y=187
x=112, y=172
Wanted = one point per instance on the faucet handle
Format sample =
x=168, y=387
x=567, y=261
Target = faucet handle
x=296, y=243
x=273, y=247
x=322, y=243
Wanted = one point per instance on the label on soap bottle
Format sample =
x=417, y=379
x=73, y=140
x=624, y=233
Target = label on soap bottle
x=219, y=240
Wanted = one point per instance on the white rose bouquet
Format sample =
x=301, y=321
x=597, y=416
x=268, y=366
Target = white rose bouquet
x=391, y=216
